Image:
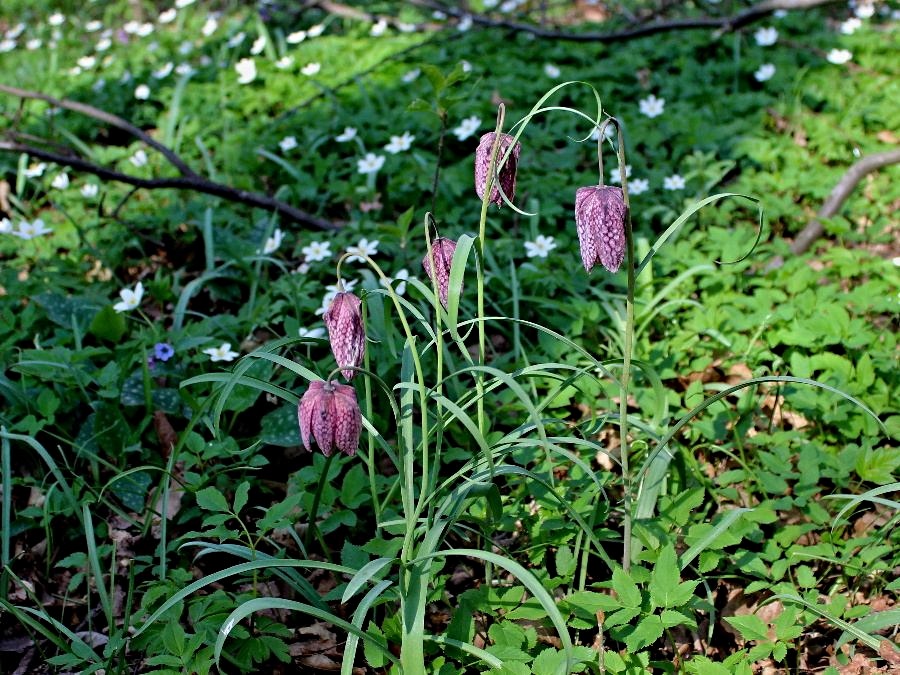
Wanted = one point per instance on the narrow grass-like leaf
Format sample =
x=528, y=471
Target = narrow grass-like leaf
x=477, y=652
x=290, y=575
x=872, y=623
x=454, y=289
x=655, y=467
x=531, y=583
x=5, y=505
x=872, y=495
x=691, y=210
x=362, y=577
x=688, y=556
x=359, y=616
x=94, y=564
x=235, y=570
x=860, y=635
x=264, y=604
x=51, y=465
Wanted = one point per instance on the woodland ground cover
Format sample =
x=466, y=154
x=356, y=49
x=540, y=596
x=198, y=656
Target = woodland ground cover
x=158, y=512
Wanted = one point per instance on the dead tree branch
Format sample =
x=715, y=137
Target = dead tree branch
x=722, y=24
x=839, y=195
x=189, y=179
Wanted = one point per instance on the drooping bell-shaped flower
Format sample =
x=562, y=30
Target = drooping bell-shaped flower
x=329, y=413
x=507, y=173
x=346, y=332
x=442, y=250
x=600, y=220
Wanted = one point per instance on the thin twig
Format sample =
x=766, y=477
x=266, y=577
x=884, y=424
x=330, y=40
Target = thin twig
x=194, y=182
x=103, y=116
x=839, y=195
x=722, y=24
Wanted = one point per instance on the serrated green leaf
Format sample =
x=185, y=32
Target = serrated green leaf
x=750, y=626
x=627, y=591
x=210, y=499
x=664, y=579
x=241, y=494
x=648, y=631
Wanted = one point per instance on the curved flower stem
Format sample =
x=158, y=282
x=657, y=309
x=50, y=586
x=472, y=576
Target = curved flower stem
x=317, y=498
x=626, y=357
x=485, y=201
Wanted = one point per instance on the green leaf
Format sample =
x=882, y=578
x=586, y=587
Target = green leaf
x=210, y=499
x=878, y=465
x=241, y=494
x=627, y=591
x=750, y=626
x=108, y=324
x=549, y=662
x=565, y=562
x=648, y=631
x=664, y=578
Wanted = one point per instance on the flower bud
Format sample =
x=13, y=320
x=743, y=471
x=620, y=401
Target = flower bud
x=600, y=220
x=507, y=173
x=346, y=332
x=442, y=250
x=329, y=413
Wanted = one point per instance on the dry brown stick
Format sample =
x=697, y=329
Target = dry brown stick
x=839, y=195
x=103, y=116
x=192, y=182
x=723, y=24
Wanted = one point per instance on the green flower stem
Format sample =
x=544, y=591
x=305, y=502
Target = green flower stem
x=373, y=487
x=626, y=357
x=317, y=498
x=482, y=226
x=413, y=577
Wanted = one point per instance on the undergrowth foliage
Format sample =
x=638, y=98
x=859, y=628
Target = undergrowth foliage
x=509, y=467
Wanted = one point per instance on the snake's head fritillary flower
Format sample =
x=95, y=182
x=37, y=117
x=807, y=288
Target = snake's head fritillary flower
x=600, y=220
x=437, y=265
x=346, y=332
x=507, y=173
x=329, y=413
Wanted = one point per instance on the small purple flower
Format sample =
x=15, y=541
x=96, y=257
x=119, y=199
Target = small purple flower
x=329, y=413
x=346, y=332
x=507, y=173
x=163, y=351
x=442, y=250
x=600, y=220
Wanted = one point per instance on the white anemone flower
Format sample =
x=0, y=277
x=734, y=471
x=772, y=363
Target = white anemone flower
x=246, y=70
x=348, y=134
x=221, y=353
x=764, y=72
x=839, y=56
x=467, y=127
x=766, y=36
x=89, y=190
x=274, y=242
x=311, y=332
x=287, y=143
x=400, y=143
x=540, y=247
x=638, y=185
x=31, y=230
x=369, y=164
x=311, y=69
x=652, y=106
x=60, y=181
x=131, y=299
x=398, y=281
x=317, y=250
x=363, y=249
x=673, y=182
x=139, y=158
